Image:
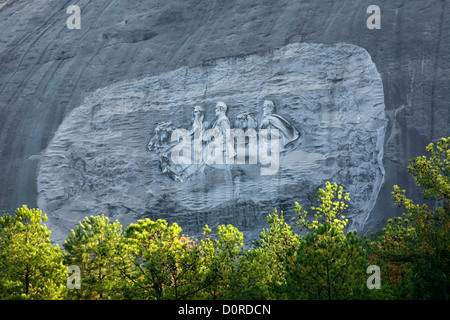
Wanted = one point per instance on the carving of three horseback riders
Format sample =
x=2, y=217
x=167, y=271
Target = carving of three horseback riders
x=204, y=135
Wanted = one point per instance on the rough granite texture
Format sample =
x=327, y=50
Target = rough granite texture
x=97, y=161
x=47, y=70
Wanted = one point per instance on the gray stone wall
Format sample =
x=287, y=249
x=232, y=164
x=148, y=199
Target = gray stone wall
x=330, y=95
x=48, y=70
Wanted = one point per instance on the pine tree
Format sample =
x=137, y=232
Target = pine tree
x=31, y=267
x=161, y=263
x=227, y=271
x=416, y=247
x=329, y=263
x=271, y=255
x=94, y=247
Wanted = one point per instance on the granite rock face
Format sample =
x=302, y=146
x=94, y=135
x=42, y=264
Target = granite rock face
x=47, y=70
x=106, y=156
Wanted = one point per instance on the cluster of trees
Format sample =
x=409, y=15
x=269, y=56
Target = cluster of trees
x=320, y=260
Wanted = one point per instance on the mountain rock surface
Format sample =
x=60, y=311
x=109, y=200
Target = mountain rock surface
x=101, y=161
x=48, y=70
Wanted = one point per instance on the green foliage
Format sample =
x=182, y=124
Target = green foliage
x=417, y=247
x=161, y=263
x=328, y=215
x=93, y=247
x=433, y=173
x=274, y=248
x=329, y=264
x=154, y=260
x=226, y=270
x=31, y=267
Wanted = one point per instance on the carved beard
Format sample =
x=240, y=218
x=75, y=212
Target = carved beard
x=197, y=126
x=198, y=118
